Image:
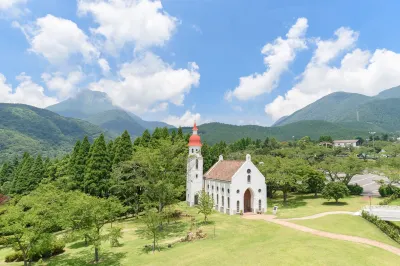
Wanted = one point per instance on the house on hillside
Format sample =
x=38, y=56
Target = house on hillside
x=236, y=186
x=346, y=143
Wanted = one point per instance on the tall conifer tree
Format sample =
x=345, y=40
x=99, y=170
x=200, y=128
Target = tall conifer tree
x=98, y=169
x=124, y=149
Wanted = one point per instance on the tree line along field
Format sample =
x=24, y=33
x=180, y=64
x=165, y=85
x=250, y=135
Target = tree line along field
x=123, y=193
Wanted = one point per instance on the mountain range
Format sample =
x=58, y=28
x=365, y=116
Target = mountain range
x=380, y=111
x=97, y=108
x=25, y=128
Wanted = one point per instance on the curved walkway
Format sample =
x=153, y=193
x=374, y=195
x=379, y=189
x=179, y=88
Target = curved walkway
x=318, y=215
x=355, y=239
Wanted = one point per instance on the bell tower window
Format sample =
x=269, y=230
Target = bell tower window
x=197, y=164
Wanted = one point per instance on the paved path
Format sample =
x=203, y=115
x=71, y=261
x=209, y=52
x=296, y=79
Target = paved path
x=355, y=239
x=318, y=215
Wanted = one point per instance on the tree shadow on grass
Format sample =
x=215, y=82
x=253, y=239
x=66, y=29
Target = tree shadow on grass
x=84, y=258
x=327, y=203
x=77, y=245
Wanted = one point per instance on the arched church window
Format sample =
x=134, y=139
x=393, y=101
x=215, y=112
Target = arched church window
x=217, y=188
x=248, y=171
x=222, y=189
x=212, y=187
x=237, y=206
x=197, y=164
x=259, y=190
x=197, y=175
x=228, y=190
x=222, y=201
x=208, y=186
x=192, y=150
x=248, y=179
x=237, y=191
x=228, y=203
x=217, y=199
x=259, y=204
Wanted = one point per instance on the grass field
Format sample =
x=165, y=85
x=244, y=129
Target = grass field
x=237, y=242
x=348, y=225
x=300, y=205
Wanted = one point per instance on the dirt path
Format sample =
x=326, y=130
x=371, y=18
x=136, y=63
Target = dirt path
x=355, y=239
x=317, y=215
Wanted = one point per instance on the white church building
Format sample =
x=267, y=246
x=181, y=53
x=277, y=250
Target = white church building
x=236, y=186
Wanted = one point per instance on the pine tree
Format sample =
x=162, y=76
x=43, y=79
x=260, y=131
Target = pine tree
x=180, y=133
x=80, y=164
x=164, y=133
x=73, y=157
x=124, y=149
x=157, y=133
x=22, y=175
x=173, y=136
x=37, y=173
x=146, y=138
x=98, y=169
x=111, y=151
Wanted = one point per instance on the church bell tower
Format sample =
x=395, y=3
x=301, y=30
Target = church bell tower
x=194, y=176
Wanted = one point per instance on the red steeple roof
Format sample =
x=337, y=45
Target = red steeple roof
x=195, y=139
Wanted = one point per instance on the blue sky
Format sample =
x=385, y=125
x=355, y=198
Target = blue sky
x=239, y=62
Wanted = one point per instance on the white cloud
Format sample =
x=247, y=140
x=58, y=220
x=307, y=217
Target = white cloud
x=64, y=85
x=105, y=67
x=12, y=8
x=57, y=39
x=359, y=71
x=7, y=4
x=186, y=120
x=143, y=22
x=159, y=108
x=27, y=92
x=148, y=80
x=278, y=56
x=237, y=108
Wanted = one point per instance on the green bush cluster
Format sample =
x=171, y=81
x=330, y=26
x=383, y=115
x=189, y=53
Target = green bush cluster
x=388, y=190
x=56, y=248
x=389, y=199
x=388, y=228
x=355, y=189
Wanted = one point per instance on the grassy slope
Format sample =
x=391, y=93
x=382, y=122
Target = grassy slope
x=348, y=225
x=306, y=205
x=237, y=242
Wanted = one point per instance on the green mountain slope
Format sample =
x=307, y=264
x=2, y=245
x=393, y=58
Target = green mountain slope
x=92, y=105
x=215, y=132
x=26, y=128
x=116, y=121
x=381, y=110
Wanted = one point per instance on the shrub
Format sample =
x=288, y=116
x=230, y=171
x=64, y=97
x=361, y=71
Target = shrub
x=13, y=257
x=385, y=190
x=388, y=228
x=355, y=189
x=389, y=199
x=56, y=247
x=115, y=234
x=335, y=190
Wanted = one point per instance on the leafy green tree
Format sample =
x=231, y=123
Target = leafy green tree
x=365, y=152
x=325, y=139
x=124, y=149
x=392, y=150
x=173, y=136
x=30, y=222
x=153, y=229
x=157, y=133
x=336, y=191
x=98, y=169
x=206, y=204
x=315, y=181
x=87, y=216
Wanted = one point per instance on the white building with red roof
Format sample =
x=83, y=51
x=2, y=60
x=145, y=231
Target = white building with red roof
x=236, y=186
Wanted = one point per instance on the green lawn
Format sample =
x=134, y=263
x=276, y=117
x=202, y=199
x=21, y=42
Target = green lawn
x=237, y=242
x=395, y=202
x=348, y=225
x=300, y=205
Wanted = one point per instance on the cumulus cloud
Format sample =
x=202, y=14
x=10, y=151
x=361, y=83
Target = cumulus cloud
x=142, y=22
x=186, y=120
x=57, y=39
x=105, y=67
x=12, y=8
x=27, y=92
x=277, y=57
x=148, y=80
x=159, y=108
x=359, y=71
x=64, y=85
x=8, y=4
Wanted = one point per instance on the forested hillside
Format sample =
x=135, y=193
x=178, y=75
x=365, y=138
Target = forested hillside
x=216, y=132
x=24, y=128
x=380, y=110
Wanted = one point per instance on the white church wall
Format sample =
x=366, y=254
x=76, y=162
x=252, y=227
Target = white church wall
x=256, y=185
x=220, y=192
x=194, y=178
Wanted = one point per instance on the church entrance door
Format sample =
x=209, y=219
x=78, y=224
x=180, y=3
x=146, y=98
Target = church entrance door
x=247, y=201
x=196, y=199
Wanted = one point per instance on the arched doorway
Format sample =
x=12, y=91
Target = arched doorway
x=247, y=201
x=196, y=199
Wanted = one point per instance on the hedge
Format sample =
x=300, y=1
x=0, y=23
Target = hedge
x=388, y=228
x=355, y=189
x=56, y=248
